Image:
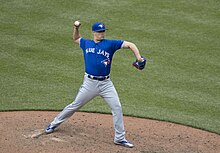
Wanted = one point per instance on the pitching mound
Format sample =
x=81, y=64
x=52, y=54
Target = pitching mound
x=93, y=133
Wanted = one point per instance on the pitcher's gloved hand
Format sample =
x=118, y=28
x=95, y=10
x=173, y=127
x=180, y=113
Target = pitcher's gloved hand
x=140, y=64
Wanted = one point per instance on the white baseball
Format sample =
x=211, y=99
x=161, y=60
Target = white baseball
x=76, y=23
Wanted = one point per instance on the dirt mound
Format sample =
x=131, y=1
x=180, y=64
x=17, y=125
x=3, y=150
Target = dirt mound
x=93, y=133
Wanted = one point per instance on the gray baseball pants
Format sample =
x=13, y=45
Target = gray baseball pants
x=88, y=90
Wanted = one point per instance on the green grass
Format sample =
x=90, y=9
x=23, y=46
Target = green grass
x=41, y=69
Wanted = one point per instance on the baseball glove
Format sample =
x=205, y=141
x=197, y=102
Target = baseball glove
x=140, y=64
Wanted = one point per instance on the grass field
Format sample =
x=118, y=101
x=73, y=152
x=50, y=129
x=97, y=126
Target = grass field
x=41, y=69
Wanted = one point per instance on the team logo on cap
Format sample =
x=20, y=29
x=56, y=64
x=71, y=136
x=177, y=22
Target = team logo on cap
x=101, y=26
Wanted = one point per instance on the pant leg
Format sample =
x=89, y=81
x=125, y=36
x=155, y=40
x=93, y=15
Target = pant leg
x=86, y=93
x=110, y=95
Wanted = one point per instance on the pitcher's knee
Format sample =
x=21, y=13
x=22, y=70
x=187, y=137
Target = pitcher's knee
x=73, y=106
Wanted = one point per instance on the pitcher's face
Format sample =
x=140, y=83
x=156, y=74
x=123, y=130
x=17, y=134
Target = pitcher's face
x=98, y=36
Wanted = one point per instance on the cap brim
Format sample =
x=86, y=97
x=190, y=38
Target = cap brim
x=100, y=30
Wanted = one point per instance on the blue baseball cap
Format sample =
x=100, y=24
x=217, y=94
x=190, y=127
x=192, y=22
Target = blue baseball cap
x=98, y=26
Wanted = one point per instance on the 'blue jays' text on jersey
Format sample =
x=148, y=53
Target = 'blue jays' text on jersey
x=98, y=56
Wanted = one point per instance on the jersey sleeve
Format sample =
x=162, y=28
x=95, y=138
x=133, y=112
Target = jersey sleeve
x=82, y=43
x=117, y=44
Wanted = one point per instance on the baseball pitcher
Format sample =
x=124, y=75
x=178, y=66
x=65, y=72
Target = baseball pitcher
x=98, y=54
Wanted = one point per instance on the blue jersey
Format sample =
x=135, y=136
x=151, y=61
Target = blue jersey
x=98, y=56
